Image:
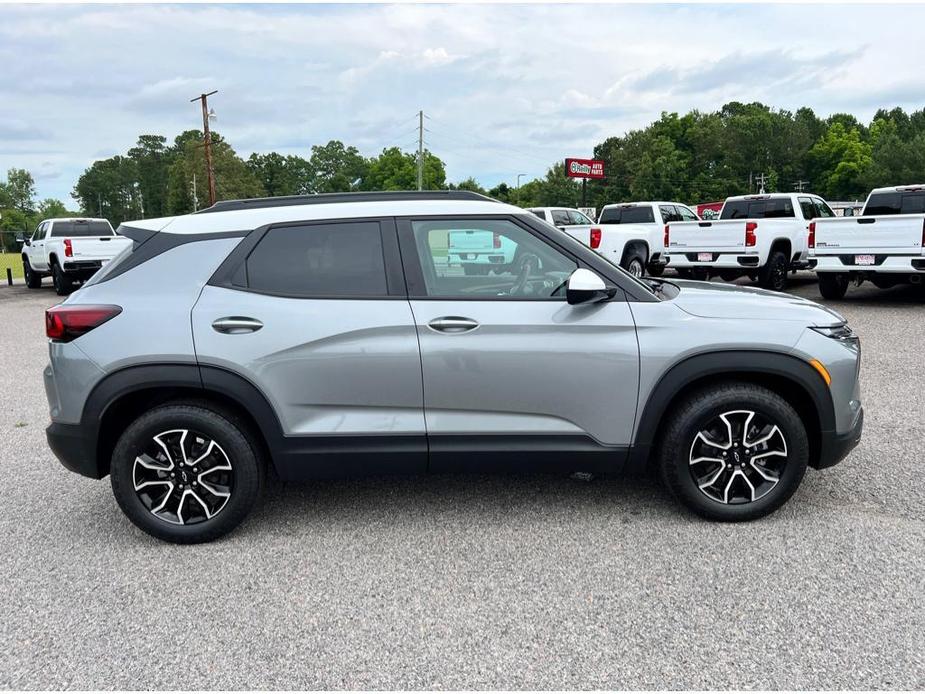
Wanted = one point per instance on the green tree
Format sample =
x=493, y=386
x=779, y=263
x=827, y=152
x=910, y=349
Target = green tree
x=335, y=168
x=20, y=190
x=280, y=175
x=152, y=160
x=840, y=161
x=468, y=184
x=109, y=189
x=397, y=170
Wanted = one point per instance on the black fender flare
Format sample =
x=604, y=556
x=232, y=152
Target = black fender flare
x=728, y=364
x=193, y=377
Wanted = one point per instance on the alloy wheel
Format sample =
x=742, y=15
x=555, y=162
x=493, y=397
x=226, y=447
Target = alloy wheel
x=183, y=477
x=738, y=457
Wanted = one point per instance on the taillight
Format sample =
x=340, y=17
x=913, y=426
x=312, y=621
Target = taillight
x=496, y=240
x=595, y=238
x=750, y=238
x=64, y=323
x=68, y=248
x=667, y=236
x=812, y=235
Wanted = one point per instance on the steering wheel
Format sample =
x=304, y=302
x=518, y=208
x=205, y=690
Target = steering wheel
x=529, y=263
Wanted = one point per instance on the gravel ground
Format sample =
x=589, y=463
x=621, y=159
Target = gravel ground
x=476, y=582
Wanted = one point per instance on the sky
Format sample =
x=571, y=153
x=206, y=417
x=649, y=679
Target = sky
x=506, y=89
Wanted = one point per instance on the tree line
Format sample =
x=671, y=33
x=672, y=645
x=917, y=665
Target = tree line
x=697, y=157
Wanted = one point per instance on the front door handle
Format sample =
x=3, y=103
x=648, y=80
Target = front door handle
x=452, y=324
x=236, y=325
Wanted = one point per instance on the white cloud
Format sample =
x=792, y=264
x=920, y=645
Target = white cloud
x=509, y=88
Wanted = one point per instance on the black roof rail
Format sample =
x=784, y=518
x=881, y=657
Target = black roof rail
x=328, y=198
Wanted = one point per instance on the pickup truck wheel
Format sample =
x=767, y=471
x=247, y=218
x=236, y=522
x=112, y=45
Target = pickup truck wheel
x=656, y=270
x=774, y=273
x=700, y=274
x=885, y=282
x=833, y=285
x=185, y=472
x=33, y=279
x=63, y=286
x=634, y=262
x=733, y=451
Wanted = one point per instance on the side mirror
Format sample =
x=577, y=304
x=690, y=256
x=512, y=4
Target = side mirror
x=585, y=287
x=26, y=241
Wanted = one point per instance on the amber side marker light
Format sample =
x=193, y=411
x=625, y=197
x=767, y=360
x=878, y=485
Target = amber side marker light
x=817, y=365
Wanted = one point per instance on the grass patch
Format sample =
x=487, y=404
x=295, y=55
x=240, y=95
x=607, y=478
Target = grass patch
x=12, y=261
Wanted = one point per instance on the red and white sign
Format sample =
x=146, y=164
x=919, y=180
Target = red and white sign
x=584, y=168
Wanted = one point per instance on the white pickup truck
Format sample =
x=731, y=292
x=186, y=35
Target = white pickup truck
x=885, y=245
x=630, y=234
x=762, y=236
x=70, y=250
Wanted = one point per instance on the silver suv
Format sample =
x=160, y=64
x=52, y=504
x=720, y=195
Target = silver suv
x=331, y=335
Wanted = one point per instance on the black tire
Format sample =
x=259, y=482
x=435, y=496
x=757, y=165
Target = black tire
x=833, y=285
x=684, y=273
x=63, y=285
x=774, y=273
x=656, y=270
x=697, y=411
x=238, y=447
x=634, y=262
x=33, y=279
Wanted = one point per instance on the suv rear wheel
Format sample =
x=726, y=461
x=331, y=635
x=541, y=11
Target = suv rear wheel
x=186, y=473
x=733, y=452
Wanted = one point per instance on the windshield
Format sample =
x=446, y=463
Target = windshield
x=768, y=208
x=627, y=215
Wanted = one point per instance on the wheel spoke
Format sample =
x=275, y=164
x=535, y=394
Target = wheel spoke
x=752, y=444
x=163, y=503
x=712, y=480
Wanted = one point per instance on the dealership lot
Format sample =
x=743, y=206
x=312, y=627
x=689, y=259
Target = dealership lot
x=477, y=582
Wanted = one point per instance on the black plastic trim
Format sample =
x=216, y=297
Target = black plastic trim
x=329, y=198
x=723, y=363
x=835, y=447
x=153, y=244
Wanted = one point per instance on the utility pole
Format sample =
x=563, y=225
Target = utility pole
x=420, y=150
x=798, y=186
x=99, y=203
x=761, y=180
x=207, y=141
x=195, y=201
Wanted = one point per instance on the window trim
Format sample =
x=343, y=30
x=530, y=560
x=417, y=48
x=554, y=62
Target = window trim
x=395, y=284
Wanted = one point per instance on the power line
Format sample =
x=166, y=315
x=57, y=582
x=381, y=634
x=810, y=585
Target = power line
x=798, y=186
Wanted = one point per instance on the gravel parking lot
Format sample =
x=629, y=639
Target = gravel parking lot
x=476, y=582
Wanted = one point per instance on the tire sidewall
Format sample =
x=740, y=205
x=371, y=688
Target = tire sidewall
x=676, y=469
x=248, y=472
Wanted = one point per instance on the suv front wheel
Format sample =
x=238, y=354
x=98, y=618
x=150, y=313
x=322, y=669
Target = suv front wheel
x=186, y=473
x=733, y=452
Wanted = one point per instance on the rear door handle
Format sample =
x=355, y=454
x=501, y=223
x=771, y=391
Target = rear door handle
x=236, y=325
x=453, y=324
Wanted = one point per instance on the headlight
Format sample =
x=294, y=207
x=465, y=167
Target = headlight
x=837, y=332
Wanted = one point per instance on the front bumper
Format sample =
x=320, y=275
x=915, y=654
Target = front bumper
x=844, y=262
x=75, y=450
x=834, y=447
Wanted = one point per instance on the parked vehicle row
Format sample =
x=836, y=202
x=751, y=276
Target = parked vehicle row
x=329, y=335
x=70, y=250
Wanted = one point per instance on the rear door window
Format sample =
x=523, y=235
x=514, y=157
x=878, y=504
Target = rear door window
x=913, y=203
x=822, y=209
x=631, y=214
x=766, y=208
x=808, y=208
x=319, y=260
x=686, y=214
x=539, y=213
x=669, y=213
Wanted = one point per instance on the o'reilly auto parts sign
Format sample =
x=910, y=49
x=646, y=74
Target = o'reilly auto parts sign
x=584, y=168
